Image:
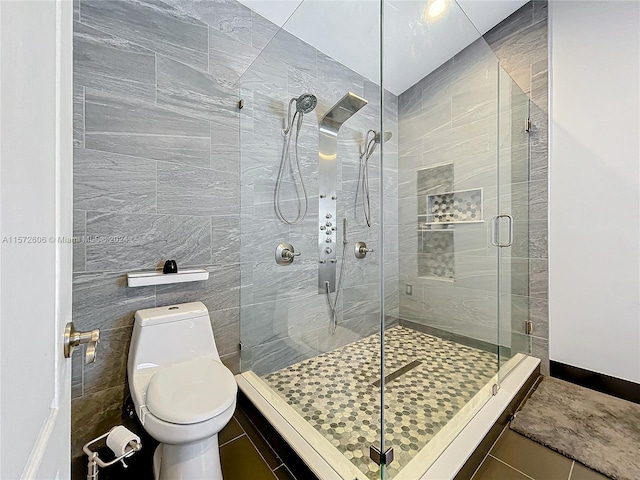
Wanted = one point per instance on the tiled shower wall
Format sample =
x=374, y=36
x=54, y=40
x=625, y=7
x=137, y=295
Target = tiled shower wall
x=452, y=117
x=283, y=317
x=157, y=176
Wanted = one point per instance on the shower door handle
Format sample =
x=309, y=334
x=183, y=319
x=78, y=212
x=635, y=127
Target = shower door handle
x=495, y=231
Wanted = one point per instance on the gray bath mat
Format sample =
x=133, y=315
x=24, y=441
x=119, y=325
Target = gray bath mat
x=597, y=430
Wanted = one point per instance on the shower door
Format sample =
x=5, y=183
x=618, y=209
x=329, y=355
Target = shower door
x=318, y=351
x=462, y=225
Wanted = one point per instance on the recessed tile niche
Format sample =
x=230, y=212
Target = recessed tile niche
x=439, y=208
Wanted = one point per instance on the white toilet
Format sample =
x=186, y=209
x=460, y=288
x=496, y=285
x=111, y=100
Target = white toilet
x=182, y=393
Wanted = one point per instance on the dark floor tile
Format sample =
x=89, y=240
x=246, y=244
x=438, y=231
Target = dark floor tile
x=241, y=461
x=283, y=473
x=492, y=469
x=258, y=440
x=530, y=457
x=580, y=472
x=231, y=431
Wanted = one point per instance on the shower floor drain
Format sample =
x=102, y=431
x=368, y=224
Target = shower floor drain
x=398, y=373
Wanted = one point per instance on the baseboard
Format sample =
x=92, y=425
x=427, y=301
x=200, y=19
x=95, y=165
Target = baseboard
x=599, y=382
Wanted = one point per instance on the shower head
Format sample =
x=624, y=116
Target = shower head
x=387, y=136
x=306, y=102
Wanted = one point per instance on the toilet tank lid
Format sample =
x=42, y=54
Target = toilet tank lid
x=170, y=313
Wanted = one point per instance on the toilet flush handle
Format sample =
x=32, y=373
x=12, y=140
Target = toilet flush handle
x=74, y=338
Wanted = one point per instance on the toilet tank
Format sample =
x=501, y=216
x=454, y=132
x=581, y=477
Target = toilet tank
x=171, y=334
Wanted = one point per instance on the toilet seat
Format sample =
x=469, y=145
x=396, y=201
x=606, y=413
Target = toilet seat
x=191, y=392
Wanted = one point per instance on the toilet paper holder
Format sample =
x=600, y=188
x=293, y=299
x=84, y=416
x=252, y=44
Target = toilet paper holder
x=95, y=461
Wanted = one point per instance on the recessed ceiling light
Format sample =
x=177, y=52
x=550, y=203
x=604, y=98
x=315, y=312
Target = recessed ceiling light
x=434, y=9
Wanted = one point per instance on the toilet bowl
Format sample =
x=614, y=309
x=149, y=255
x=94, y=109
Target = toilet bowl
x=182, y=393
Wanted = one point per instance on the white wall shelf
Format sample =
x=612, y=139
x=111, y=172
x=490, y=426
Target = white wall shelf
x=156, y=277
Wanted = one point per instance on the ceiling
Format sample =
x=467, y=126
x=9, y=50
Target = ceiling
x=349, y=32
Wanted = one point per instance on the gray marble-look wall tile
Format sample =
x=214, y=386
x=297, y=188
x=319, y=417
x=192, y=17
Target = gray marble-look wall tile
x=194, y=93
x=225, y=147
x=538, y=233
x=475, y=104
x=110, y=367
x=540, y=10
x=105, y=62
x=539, y=315
x=130, y=241
x=110, y=182
x=539, y=145
x=103, y=300
x=228, y=58
x=225, y=239
x=227, y=16
x=513, y=25
x=232, y=362
x=540, y=349
x=79, y=231
x=151, y=24
x=273, y=356
x=94, y=414
x=539, y=277
x=77, y=361
x=187, y=190
x=220, y=292
x=264, y=322
x=114, y=124
x=425, y=121
x=540, y=84
x=78, y=115
x=262, y=31
x=76, y=9
x=226, y=330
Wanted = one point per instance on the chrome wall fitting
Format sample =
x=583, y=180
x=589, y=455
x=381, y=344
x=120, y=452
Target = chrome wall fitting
x=361, y=250
x=285, y=253
x=74, y=338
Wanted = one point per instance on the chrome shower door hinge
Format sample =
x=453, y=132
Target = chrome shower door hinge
x=527, y=125
x=240, y=104
x=494, y=389
x=381, y=458
x=528, y=327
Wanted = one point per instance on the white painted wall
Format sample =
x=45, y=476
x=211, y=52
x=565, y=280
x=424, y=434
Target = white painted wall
x=594, y=207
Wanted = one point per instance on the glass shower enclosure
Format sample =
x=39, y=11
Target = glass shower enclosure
x=382, y=207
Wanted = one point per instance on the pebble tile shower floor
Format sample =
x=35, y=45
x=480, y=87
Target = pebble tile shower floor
x=336, y=392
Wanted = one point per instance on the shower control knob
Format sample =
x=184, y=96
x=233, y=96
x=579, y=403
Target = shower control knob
x=328, y=250
x=328, y=224
x=328, y=232
x=333, y=228
x=323, y=261
x=328, y=240
x=322, y=227
x=328, y=215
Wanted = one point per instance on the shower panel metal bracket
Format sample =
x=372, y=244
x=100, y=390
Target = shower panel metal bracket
x=328, y=186
x=381, y=458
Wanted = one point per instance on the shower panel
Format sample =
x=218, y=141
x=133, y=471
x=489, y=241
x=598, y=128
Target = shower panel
x=328, y=187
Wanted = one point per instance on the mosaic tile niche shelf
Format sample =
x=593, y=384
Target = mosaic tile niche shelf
x=435, y=254
x=337, y=393
x=463, y=206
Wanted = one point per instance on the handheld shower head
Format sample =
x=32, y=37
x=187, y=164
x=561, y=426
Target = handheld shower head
x=387, y=136
x=306, y=102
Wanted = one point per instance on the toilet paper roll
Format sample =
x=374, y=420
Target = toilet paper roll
x=119, y=438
